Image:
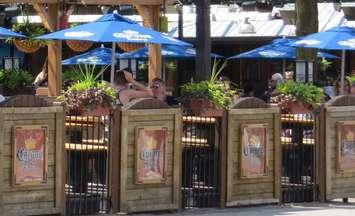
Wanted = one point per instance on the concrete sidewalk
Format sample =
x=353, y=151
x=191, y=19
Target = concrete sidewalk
x=304, y=209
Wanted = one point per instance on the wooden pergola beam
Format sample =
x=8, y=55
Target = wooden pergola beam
x=47, y=22
x=91, y=2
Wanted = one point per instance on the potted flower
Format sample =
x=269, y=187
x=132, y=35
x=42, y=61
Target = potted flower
x=88, y=96
x=16, y=81
x=296, y=97
x=209, y=97
x=351, y=81
x=31, y=30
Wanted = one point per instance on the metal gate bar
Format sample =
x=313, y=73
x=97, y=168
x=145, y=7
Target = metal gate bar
x=298, y=158
x=87, y=142
x=200, y=162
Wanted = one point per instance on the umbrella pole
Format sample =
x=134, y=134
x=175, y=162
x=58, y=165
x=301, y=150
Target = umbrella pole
x=342, y=72
x=113, y=58
x=284, y=67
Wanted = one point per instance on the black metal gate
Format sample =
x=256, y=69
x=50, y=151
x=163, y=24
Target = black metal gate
x=200, y=162
x=298, y=183
x=87, y=143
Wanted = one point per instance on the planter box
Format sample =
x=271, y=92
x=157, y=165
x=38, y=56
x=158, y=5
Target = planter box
x=28, y=90
x=298, y=107
x=201, y=107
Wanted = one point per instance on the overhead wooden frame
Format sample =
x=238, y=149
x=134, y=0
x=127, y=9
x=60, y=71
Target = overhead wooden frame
x=92, y=2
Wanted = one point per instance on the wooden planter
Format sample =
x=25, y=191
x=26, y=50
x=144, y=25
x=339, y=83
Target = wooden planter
x=98, y=110
x=28, y=90
x=27, y=46
x=79, y=46
x=201, y=107
x=298, y=107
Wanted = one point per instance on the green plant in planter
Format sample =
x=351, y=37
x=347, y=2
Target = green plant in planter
x=31, y=30
x=304, y=92
x=212, y=89
x=15, y=79
x=324, y=64
x=87, y=92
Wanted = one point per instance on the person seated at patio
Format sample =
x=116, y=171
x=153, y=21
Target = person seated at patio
x=249, y=90
x=158, y=88
x=275, y=80
x=128, y=89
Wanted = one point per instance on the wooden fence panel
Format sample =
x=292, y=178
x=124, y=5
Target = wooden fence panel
x=36, y=198
x=338, y=181
x=247, y=189
x=140, y=196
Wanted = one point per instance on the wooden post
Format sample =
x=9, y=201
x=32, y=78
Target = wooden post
x=114, y=179
x=54, y=56
x=203, y=40
x=150, y=15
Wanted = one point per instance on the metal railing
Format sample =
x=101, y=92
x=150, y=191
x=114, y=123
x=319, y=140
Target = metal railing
x=200, y=162
x=298, y=183
x=87, y=147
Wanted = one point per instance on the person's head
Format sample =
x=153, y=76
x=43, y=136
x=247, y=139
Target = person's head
x=158, y=88
x=120, y=79
x=276, y=79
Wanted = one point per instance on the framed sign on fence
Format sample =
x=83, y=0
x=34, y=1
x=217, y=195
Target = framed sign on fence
x=29, y=154
x=253, y=157
x=346, y=146
x=151, y=161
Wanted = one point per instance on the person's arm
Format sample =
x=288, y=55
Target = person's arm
x=136, y=85
x=130, y=94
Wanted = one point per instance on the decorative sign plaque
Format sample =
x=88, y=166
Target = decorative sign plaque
x=29, y=155
x=254, y=150
x=151, y=154
x=346, y=146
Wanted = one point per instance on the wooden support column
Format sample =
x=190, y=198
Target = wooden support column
x=150, y=15
x=54, y=56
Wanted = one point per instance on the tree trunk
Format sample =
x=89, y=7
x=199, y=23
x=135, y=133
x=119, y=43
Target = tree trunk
x=306, y=23
x=203, y=40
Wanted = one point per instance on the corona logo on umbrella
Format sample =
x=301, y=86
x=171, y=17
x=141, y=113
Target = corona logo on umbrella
x=308, y=42
x=132, y=35
x=348, y=43
x=78, y=34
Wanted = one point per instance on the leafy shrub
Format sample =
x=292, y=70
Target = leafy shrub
x=305, y=92
x=87, y=92
x=15, y=79
x=212, y=89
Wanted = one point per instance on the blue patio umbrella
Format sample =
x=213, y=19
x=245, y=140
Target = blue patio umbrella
x=5, y=33
x=278, y=49
x=337, y=38
x=167, y=51
x=113, y=28
x=98, y=56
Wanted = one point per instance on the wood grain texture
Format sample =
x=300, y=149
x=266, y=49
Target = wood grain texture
x=44, y=198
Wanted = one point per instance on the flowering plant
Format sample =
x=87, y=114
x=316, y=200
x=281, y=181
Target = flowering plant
x=88, y=93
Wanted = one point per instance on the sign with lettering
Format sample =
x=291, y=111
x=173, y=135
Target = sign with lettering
x=151, y=154
x=346, y=145
x=254, y=150
x=29, y=154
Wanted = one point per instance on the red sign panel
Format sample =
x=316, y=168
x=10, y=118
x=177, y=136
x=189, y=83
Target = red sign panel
x=150, y=154
x=29, y=154
x=254, y=150
x=346, y=146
